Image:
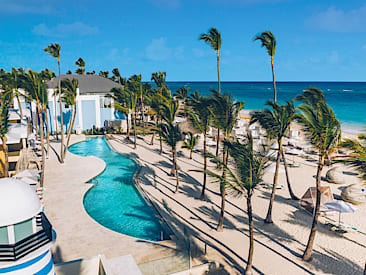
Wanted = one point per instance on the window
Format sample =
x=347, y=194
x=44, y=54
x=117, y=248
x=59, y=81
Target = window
x=105, y=102
x=4, y=235
x=23, y=230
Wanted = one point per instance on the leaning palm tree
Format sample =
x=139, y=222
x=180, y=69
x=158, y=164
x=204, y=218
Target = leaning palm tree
x=200, y=115
x=357, y=154
x=159, y=79
x=37, y=92
x=243, y=177
x=276, y=122
x=268, y=41
x=156, y=103
x=81, y=64
x=190, y=142
x=5, y=98
x=213, y=38
x=69, y=97
x=54, y=51
x=132, y=94
x=225, y=111
x=117, y=75
x=323, y=131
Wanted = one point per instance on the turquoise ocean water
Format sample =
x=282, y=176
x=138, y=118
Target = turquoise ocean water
x=348, y=99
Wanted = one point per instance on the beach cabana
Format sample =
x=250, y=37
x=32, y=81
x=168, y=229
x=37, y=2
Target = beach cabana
x=308, y=200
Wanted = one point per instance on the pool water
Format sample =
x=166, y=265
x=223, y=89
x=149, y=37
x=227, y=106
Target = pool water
x=114, y=201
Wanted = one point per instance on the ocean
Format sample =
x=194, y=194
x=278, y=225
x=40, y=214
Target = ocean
x=348, y=99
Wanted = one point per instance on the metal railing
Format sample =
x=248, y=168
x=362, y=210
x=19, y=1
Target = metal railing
x=13, y=252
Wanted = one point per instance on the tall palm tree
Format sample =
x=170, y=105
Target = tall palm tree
x=323, y=131
x=69, y=93
x=5, y=98
x=276, y=122
x=190, y=142
x=213, y=38
x=132, y=94
x=159, y=79
x=181, y=93
x=37, y=92
x=268, y=41
x=81, y=64
x=54, y=51
x=47, y=74
x=225, y=111
x=117, y=75
x=104, y=74
x=243, y=177
x=156, y=103
x=200, y=115
x=121, y=103
x=141, y=96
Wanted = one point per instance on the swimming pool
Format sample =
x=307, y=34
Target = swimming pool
x=114, y=201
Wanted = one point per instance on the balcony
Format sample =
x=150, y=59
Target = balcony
x=14, y=252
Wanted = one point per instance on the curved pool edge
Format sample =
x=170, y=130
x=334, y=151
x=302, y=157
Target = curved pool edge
x=142, y=193
x=146, y=197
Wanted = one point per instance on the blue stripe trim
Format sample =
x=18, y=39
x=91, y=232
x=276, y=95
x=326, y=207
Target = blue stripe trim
x=46, y=269
x=23, y=265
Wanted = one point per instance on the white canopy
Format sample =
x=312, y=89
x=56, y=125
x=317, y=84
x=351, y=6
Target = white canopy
x=18, y=201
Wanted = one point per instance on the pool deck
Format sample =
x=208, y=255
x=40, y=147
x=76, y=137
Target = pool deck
x=78, y=235
x=278, y=246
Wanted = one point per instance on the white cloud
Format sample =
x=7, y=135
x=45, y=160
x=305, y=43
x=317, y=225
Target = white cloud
x=157, y=50
x=337, y=20
x=63, y=30
x=23, y=7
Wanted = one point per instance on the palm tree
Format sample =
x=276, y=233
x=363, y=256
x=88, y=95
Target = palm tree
x=54, y=51
x=104, y=74
x=81, y=64
x=132, y=94
x=200, y=115
x=276, y=123
x=37, y=91
x=243, y=178
x=156, y=103
x=268, y=41
x=159, y=79
x=190, y=142
x=47, y=74
x=213, y=38
x=323, y=131
x=141, y=96
x=357, y=156
x=5, y=98
x=69, y=97
x=225, y=111
x=181, y=93
x=121, y=103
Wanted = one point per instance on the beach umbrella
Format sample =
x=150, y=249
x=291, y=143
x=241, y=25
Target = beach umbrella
x=30, y=181
x=341, y=207
x=27, y=173
x=272, y=169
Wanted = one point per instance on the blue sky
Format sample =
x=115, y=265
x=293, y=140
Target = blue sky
x=316, y=40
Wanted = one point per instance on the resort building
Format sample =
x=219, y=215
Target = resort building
x=26, y=235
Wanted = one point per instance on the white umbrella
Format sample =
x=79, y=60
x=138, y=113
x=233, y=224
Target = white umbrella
x=30, y=181
x=272, y=169
x=341, y=207
x=28, y=173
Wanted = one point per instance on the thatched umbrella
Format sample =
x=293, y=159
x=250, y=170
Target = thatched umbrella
x=186, y=126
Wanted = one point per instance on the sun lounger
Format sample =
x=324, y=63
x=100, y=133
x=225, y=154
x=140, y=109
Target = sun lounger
x=270, y=186
x=341, y=227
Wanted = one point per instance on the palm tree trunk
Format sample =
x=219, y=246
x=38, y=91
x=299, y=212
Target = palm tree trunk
x=217, y=142
x=176, y=168
x=274, y=82
x=20, y=107
x=128, y=129
x=54, y=100
x=6, y=156
x=143, y=116
x=42, y=144
x=249, y=270
x=292, y=195
x=202, y=198
x=70, y=131
x=153, y=135
x=309, y=247
x=172, y=172
x=47, y=130
x=134, y=130
x=218, y=70
x=190, y=154
x=61, y=114
x=223, y=195
x=161, y=144
x=269, y=213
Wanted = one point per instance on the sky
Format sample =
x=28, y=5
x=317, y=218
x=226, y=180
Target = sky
x=316, y=40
